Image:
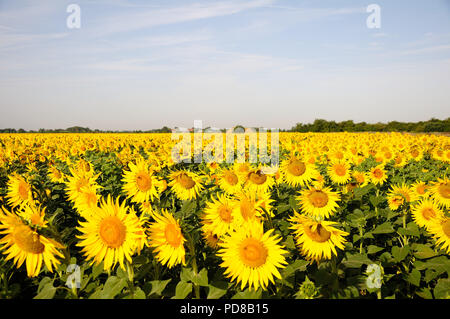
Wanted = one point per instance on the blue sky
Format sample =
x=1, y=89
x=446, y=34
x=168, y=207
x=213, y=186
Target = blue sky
x=268, y=63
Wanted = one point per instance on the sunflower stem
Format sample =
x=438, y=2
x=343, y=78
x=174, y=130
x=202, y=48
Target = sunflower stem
x=194, y=264
x=130, y=281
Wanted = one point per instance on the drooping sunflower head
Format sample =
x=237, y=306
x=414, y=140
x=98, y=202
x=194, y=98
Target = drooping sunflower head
x=19, y=191
x=317, y=240
x=426, y=213
x=139, y=182
x=440, y=192
x=167, y=240
x=185, y=184
x=319, y=202
x=24, y=244
x=252, y=257
x=111, y=234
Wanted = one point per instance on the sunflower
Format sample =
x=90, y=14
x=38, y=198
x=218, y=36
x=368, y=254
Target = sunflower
x=256, y=181
x=378, y=175
x=441, y=233
x=319, y=201
x=139, y=182
x=210, y=238
x=87, y=200
x=167, y=240
x=220, y=216
x=111, y=234
x=229, y=181
x=440, y=192
x=33, y=215
x=420, y=189
x=55, y=175
x=186, y=185
x=297, y=172
x=247, y=206
x=426, y=212
x=252, y=257
x=317, y=240
x=361, y=178
x=399, y=195
x=23, y=244
x=339, y=172
x=77, y=182
x=19, y=191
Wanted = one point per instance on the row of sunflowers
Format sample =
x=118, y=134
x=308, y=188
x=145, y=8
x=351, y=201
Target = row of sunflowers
x=344, y=215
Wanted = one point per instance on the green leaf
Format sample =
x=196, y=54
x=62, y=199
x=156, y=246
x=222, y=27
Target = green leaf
x=357, y=218
x=400, y=253
x=442, y=289
x=217, y=289
x=423, y=251
x=414, y=277
x=182, y=290
x=356, y=260
x=113, y=286
x=372, y=249
x=47, y=290
x=425, y=293
x=138, y=294
x=248, y=294
x=440, y=264
x=200, y=279
x=384, y=228
x=376, y=200
x=293, y=203
x=158, y=286
x=410, y=230
x=289, y=242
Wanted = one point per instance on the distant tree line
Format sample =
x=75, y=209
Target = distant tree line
x=320, y=125
x=79, y=129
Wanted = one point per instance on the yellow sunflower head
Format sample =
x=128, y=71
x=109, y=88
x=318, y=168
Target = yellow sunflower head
x=139, y=182
x=19, y=191
x=252, y=257
x=221, y=216
x=319, y=201
x=441, y=233
x=167, y=240
x=22, y=243
x=426, y=213
x=317, y=240
x=440, y=192
x=111, y=234
x=339, y=172
x=296, y=171
x=186, y=185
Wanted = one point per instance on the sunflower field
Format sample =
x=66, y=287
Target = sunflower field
x=111, y=215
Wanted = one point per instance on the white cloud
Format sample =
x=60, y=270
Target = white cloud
x=163, y=16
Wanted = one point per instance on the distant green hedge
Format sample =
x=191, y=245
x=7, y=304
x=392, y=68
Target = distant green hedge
x=320, y=125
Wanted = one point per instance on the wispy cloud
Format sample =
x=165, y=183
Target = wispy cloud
x=131, y=21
